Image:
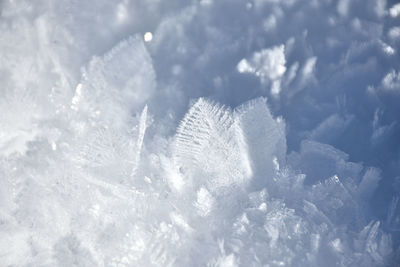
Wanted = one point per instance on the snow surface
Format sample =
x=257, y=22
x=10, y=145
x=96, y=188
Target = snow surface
x=200, y=133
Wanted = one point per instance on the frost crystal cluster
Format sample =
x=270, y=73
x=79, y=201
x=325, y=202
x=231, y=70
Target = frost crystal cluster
x=200, y=133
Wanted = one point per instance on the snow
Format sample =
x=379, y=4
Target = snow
x=199, y=133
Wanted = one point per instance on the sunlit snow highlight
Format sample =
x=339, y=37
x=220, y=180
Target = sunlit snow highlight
x=200, y=133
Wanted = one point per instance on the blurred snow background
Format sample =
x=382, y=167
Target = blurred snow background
x=243, y=133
